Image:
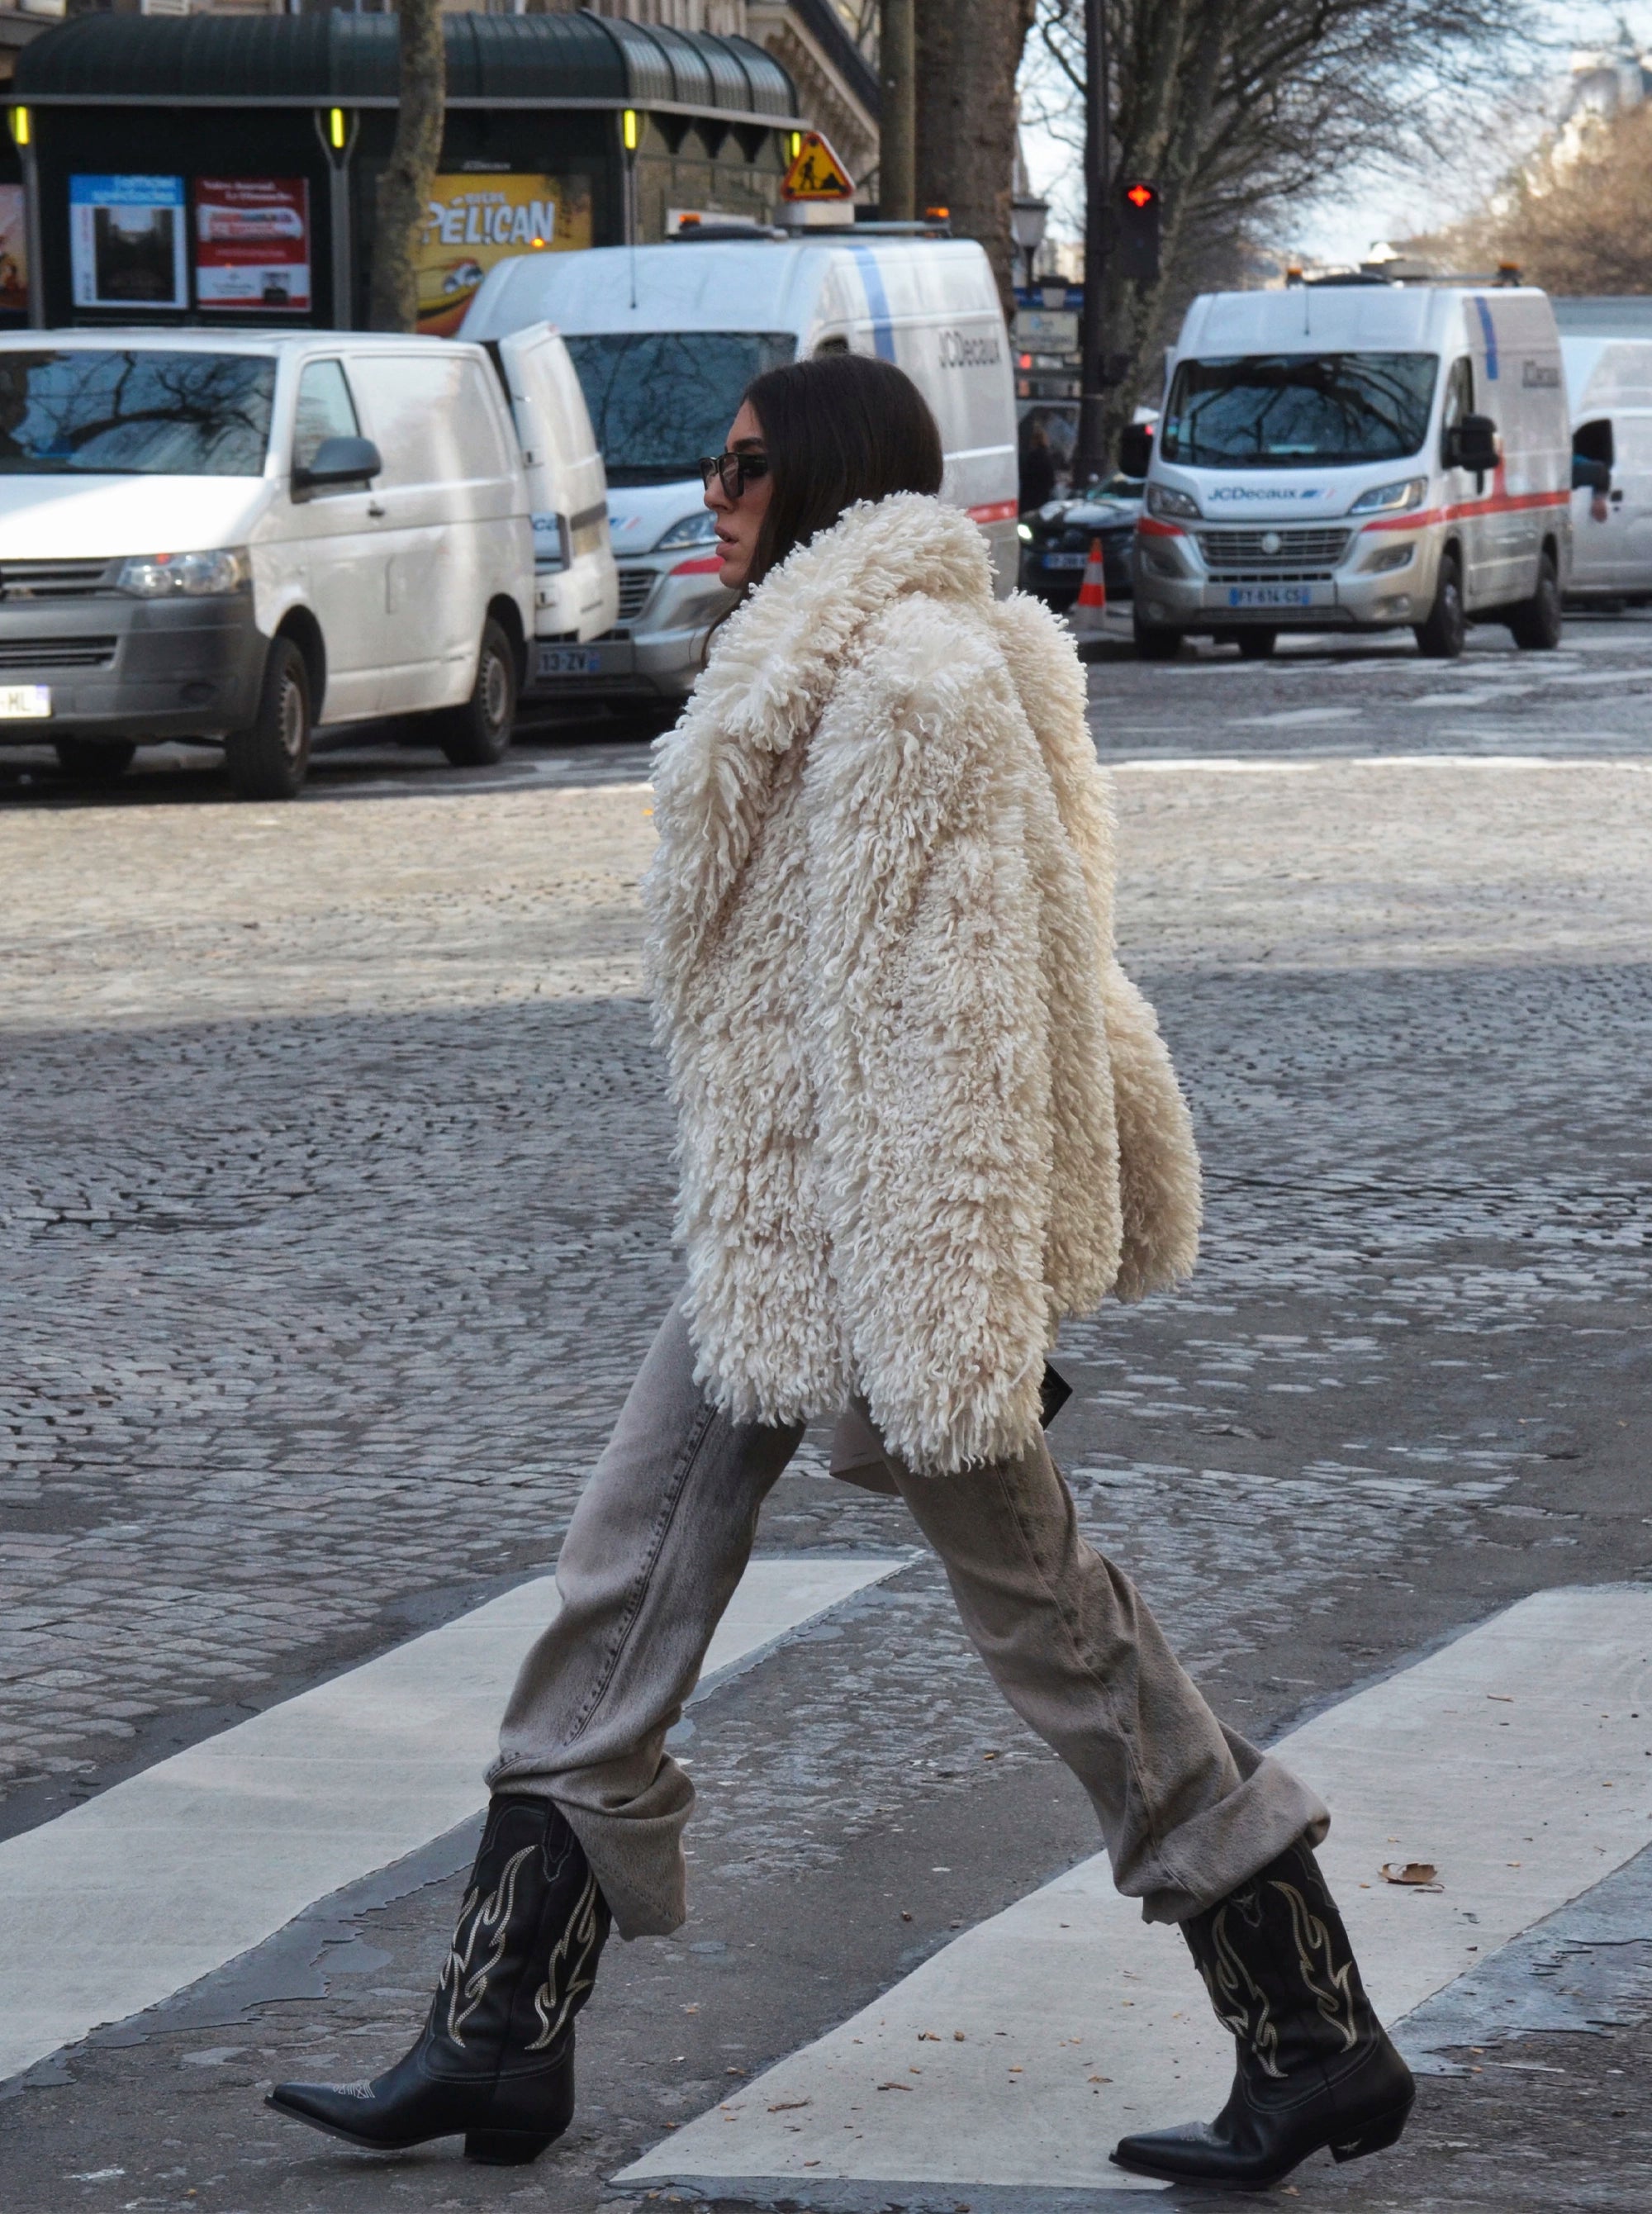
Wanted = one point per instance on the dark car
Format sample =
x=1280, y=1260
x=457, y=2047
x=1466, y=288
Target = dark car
x=1055, y=543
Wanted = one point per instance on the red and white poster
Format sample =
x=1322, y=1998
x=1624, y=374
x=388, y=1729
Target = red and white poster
x=251, y=244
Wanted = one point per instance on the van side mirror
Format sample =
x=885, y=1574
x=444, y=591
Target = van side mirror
x=1472, y=444
x=338, y=462
x=1135, y=449
x=1590, y=476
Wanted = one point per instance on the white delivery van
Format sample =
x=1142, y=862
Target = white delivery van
x=235, y=537
x=665, y=340
x=1609, y=380
x=1358, y=456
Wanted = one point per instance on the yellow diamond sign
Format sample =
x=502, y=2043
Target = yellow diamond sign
x=816, y=172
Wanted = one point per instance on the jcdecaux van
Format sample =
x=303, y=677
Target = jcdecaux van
x=1356, y=455
x=665, y=340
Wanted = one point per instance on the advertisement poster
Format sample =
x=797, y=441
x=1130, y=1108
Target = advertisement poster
x=475, y=221
x=128, y=248
x=251, y=244
x=14, y=252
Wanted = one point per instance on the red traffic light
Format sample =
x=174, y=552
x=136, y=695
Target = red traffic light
x=1140, y=196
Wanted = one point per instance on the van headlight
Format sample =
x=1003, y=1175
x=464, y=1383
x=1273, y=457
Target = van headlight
x=696, y=530
x=1392, y=500
x=1165, y=499
x=196, y=576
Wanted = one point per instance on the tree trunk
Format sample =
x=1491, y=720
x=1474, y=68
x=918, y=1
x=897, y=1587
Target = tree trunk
x=403, y=189
x=968, y=53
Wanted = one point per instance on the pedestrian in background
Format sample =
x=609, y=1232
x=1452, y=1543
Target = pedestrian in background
x=922, y=1116
x=1037, y=467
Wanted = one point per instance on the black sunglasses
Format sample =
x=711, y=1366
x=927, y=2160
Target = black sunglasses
x=734, y=471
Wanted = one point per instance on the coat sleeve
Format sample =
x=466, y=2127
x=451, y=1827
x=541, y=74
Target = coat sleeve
x=929, y=1036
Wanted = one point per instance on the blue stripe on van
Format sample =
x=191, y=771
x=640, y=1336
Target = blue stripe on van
x=882, y=329
x=1489, y=332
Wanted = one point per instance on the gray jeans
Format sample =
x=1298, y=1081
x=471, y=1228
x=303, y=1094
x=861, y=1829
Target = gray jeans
x=660, y=1538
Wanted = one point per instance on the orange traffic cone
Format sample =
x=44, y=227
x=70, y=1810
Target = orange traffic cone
x=1089, y=615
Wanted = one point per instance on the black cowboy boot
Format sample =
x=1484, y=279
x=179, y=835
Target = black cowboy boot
x=1315, y=2066
x=495, y=2060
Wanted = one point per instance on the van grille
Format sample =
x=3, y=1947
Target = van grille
x=635, y=585
x=1289, y=557
x=53, y=580
x=55, y=652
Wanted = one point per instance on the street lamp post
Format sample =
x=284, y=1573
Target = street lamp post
x=1090, y=453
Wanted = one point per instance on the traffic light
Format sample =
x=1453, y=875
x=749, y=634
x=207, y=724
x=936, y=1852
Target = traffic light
x=1138, y=229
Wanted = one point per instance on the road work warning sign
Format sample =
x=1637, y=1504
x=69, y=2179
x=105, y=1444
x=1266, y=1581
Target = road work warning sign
x=816, y=172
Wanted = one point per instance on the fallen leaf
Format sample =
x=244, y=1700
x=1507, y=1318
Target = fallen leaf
x=1420, y=1875
x=785, y=2105
x=958, y=2037
x=927, y=2036
x=897, y=2086
x=1503, y=1698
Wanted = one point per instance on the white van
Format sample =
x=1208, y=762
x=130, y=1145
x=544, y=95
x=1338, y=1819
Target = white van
x=665, y=340
x=233, y=536
x=1359, y=455
x=1610, y=382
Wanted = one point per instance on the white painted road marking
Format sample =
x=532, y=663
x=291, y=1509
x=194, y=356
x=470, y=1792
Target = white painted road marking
x=133, y=1896
x=1515, y=1759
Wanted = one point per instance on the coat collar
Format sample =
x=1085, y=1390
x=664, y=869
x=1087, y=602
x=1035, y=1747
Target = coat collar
x=771, y=669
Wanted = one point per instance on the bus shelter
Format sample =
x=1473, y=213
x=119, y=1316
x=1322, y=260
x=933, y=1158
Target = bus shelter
x=206, y=169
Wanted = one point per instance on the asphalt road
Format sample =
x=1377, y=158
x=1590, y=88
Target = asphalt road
x=334, y=1219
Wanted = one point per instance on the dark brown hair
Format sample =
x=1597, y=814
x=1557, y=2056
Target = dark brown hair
x=840, y=428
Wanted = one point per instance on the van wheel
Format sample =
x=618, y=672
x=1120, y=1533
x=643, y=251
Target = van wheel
x=94, y=761
x=1440, y=637
x=1534, y=624
x=269, y=759
x=1153, y=642
x=478, y=734
x=1256, y=644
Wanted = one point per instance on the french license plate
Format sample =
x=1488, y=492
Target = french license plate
x=570, y=661
x=1270, y=595
x=1065, y=560
x=24, y=703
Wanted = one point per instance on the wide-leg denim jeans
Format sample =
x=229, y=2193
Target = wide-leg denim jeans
x=1188, y=1809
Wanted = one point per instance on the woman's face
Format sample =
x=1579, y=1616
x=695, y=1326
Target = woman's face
x=739, y=520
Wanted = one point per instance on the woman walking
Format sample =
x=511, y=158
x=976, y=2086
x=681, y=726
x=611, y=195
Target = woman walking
x=922, y=1116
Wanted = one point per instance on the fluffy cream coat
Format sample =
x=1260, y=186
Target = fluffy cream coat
x=923, y=1112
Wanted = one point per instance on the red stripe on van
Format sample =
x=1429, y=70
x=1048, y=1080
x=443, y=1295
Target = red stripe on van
x=1496, y=503
x=703, y=564
x=1152, y=526
x=996, y=510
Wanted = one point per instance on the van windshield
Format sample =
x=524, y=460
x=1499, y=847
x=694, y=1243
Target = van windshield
x=659, y=399
x=120, y=412
x=1281, y=410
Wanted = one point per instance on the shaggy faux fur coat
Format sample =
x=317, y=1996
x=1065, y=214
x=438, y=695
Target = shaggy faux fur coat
x=922, y=1113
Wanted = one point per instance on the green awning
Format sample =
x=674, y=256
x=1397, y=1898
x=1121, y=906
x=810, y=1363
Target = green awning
x=339, y=59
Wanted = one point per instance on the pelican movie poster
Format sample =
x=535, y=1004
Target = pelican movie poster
x=477, y=219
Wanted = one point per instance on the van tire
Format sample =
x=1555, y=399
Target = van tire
x=1534, y=624
x=1157, y=642
x=270, y=758
x=94, y=761
x=477, y=735
x=1256, y=645
x=1440, y=637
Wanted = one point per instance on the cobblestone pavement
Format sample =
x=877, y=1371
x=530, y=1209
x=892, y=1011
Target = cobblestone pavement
x=332, y=1221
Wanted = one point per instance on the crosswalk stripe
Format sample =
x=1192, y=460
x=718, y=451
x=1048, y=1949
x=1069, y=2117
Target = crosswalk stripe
x=131, y=1897
x=1515, y=1759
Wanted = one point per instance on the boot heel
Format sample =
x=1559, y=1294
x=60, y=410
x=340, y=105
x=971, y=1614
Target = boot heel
x=1376, y=2137
x=507, y=2148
